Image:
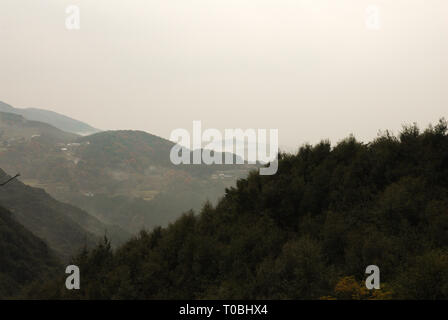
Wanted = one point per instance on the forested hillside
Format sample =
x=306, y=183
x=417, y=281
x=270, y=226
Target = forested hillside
x=57, y=120
x=24, y=258
x=120, y=177
x=63, y=227
x=15, y=129
x=307, y=232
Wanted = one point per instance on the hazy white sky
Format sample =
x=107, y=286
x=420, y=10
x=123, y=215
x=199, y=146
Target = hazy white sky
x=309, y=68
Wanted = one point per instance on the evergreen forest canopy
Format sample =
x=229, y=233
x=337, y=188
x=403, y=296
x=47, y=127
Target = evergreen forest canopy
x=307, y=232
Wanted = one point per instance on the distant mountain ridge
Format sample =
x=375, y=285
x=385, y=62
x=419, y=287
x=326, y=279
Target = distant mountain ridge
x=15, y=127
x=53, y=118
x=123, y=178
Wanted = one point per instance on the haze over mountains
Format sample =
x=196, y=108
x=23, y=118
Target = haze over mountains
x=98, y=188
x=111, y=182
x=14, y=128
x=65, y=228
x=55, y=119
x=306, y=232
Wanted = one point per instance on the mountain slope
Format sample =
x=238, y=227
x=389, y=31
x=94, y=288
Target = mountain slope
x=55, y=119
x=123, y=177
x=23, y=257
x=138, y=150
x=64, y=227
x=14, y=128
x=307, y=232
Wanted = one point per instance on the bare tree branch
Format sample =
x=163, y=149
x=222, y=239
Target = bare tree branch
x=8, y=181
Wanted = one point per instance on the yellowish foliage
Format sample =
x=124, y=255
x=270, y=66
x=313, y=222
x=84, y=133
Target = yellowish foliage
x=347, y=288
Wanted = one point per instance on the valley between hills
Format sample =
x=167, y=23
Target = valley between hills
x=120, y=181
